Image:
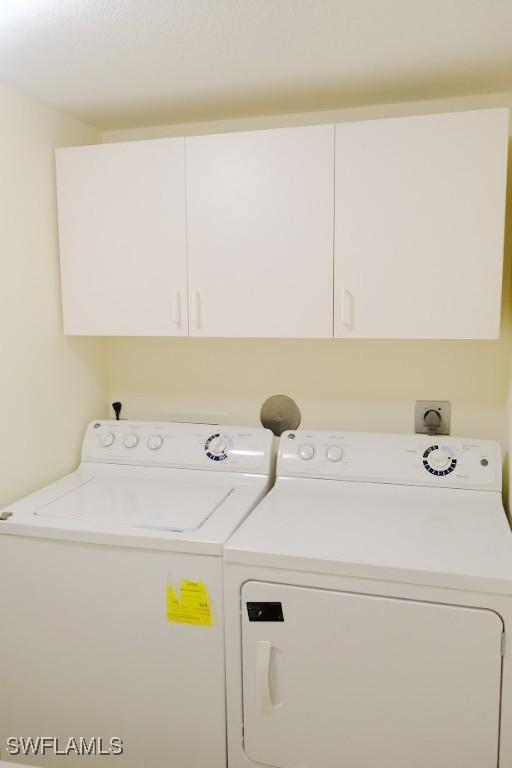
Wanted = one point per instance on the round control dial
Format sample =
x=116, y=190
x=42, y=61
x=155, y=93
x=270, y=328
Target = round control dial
x=217, y=447
x=439, y=461
x=306, y=451
x=131, y=440
x=334, y=453
x=107, y=439
x=155, y=442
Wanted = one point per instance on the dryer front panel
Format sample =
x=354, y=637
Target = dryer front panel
x=336, y=678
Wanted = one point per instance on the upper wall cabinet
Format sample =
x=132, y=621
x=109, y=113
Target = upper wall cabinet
x=249, y=234
x=420, y=204
x=260, y=208
x=122, y=228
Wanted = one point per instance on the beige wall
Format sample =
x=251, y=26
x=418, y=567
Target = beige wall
x=346, y=384
x=50, y=386
x=353, y=385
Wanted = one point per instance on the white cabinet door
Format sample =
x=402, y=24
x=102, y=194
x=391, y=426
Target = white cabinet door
x=260, y=232
x=122, y=229
x=359, y=681
x=420, y=205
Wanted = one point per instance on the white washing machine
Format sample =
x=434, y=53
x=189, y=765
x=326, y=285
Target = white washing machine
x=111, y=599
x=368, y=607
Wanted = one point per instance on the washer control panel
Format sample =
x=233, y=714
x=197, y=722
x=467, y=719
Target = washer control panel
x=191, y=446
x=400, y=459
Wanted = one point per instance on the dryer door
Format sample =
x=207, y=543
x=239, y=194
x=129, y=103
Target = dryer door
x=335, y=678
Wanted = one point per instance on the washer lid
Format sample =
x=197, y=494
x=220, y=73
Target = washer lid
x=153, y=503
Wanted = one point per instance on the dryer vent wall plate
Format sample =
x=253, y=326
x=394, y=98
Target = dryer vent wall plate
x=432, y=417
x=280, y=413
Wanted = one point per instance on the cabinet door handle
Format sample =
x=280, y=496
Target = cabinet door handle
x=176, y=308
x=197, y=309
x=347, y=309
x=263, y=695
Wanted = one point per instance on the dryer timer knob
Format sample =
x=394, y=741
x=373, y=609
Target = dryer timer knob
x=306, y=451
x=440, y=459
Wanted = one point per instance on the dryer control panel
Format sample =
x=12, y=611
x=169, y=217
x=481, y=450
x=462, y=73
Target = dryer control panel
x=399, y=459
x=186, y=446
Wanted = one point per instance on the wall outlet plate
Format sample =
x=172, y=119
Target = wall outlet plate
x=422, y=407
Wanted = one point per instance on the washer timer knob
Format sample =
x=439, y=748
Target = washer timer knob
x=334, y=453
x=306, y=451
x=107, y=439
x=155, y=442
x=218, y=445
x=131, y=440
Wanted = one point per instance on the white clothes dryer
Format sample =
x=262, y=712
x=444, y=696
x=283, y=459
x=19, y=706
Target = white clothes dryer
x=111, y=597
x=368, y=607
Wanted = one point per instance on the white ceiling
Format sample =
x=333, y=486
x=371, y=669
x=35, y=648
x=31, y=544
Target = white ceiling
x=119, y=63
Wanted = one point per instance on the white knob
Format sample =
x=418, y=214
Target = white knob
x=131, y=440
x=306, y=451
x=107, y=439
x=439, y=459
x=155, y=442
x=219, y=445
x=334, y=453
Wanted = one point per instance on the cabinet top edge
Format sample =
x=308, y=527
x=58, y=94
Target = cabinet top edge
x=503, y=110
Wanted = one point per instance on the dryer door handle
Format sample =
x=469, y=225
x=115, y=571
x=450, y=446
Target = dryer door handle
x=263, y=695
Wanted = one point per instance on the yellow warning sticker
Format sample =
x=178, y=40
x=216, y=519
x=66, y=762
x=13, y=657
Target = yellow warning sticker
x=192, y=606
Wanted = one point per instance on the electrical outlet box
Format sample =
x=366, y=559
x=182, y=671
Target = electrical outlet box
x=442, y=407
